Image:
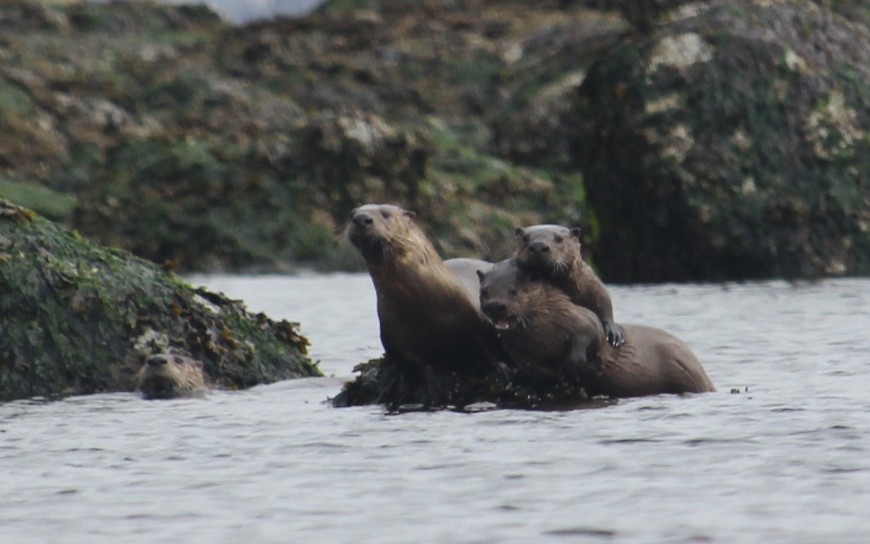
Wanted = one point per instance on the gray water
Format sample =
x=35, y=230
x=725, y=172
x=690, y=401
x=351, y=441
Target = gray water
x=785, y=461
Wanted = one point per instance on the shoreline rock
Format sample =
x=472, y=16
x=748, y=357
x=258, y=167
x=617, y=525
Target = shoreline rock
x=77, y=318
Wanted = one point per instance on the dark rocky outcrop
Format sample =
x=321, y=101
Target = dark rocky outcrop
x=76, y=318
x=731, y=144
x=382, y=382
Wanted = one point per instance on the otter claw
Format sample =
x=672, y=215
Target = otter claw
x=614, y=334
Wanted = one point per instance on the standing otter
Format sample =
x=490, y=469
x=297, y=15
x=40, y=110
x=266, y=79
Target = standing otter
x=548, y=339
x=429, y=321
x=554, y=252
x=167, y=375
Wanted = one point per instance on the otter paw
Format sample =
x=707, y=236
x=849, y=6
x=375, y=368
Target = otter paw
x=614, y=334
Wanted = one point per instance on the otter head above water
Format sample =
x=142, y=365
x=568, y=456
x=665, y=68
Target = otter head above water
x=166, y=375
x=549, y=249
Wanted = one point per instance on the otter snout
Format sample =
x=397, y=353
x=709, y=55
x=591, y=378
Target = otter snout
x=498, y=314
x=494, y=310
x=362, y=220
x=157, y=361
x=539, y=248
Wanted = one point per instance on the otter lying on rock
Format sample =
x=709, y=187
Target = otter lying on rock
x=549, y=339
x=553, y=252
x=166, y=375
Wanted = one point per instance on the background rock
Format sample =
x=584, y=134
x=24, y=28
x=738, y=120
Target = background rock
x=731, y=144
x=168, y=132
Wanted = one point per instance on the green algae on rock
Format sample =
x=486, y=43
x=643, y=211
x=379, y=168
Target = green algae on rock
x=152, y=114
x=480, y=115
x=77, y=318
x=731, y=144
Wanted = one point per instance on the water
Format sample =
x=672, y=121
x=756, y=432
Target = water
x=786, y=461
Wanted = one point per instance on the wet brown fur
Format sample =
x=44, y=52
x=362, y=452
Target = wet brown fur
x=428, y=317
x=550, y=338
x=564, y=267
x=167, y=375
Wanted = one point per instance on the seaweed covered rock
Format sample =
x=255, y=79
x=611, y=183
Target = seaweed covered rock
x=167, y=132
x=77, y=318
x=163, y=130
x=731, y=144
x=382, y=382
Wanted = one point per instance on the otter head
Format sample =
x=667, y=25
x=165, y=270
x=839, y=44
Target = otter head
x=502, y=295
x=547, y=249
x=377, y=229
x=167, y=375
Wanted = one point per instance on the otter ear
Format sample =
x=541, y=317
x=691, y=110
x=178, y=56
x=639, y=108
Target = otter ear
x=518, y=232
x=409, y=214
x=576, y=232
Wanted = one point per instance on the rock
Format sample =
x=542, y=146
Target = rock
x=382, y=382
x=731, y=145
x=78, y=318
x=248, y=146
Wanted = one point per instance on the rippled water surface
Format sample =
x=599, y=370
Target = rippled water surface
x=785, y=461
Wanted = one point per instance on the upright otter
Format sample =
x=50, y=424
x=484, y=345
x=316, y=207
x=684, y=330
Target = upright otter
x=167, y=375
x=554, y=252
x=548, y=338
x=429, y=320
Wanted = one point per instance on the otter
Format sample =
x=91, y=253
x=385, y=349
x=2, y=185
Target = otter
x=430, y=322
x=554, y=252
x=467, y=270
x=167, y=375
x=549, y=339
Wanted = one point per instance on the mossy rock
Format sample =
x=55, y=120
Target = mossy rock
x=732, y=144
x=382, y=382
x=78, y=318
x=183, y=138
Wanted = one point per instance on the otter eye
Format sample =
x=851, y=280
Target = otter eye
x=385, y=215
x=512, y=292
x=558, y=239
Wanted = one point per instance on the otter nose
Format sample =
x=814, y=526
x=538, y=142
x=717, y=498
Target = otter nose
x=362, y=219
x=539, y=247
x=157, y=360
x=494, y=309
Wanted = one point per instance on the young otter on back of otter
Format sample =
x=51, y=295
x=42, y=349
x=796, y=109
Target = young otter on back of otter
x=548, y=338
x=554, y=252
x=166, y=375
x=429, y=321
